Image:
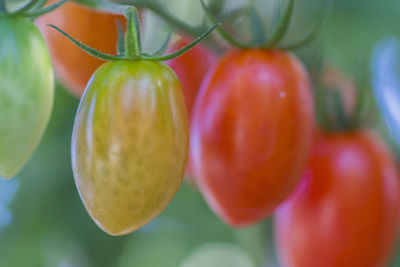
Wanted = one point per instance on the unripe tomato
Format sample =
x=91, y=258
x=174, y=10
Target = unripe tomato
x=97, y=29
x=130, y=143
x=191, y=68
x=251, y=133
x=345, y=211
x=26, y=92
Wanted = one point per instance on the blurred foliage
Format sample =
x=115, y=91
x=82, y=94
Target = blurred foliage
x=45, y=224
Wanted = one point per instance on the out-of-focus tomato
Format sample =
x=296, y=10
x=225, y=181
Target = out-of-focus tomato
x=345, y=211
x=130, y=143
x=26, y=91
x=97, y=29
x=191, y=68
x=251, y=133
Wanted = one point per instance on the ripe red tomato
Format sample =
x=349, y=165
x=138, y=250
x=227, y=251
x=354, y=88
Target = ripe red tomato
x=191, y=68
x=251, y=133
x=345, y=211
x=97, y=29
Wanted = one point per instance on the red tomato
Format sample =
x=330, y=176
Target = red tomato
x=345, y=211
x=191, y=68
x=251, y=133
x=97, y=29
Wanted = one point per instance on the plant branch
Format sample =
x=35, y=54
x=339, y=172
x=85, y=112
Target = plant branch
x=160, y=11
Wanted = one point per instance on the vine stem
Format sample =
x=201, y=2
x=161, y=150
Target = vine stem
x=175, y=23
x=132, y=40
x=160, y=11
x=3, y=6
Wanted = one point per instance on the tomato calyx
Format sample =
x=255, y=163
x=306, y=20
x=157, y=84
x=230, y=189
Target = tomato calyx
x=281, y=26
x=129, y=46
x=33, y=9
x=331, y=108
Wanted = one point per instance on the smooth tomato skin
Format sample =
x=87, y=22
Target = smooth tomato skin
x=345, y=211
x=96, y=29
x=130, y=144
x=251, y=133
x=26, y=92
x=191, y=68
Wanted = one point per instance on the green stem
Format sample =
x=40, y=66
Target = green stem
x=160, y=11
x=132, y=40
x=3, y=6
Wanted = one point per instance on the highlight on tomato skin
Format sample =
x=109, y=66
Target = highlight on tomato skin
x=191, y=68
x=251, y=133
x=130, y=144
x=345, y=211
x=97, y=29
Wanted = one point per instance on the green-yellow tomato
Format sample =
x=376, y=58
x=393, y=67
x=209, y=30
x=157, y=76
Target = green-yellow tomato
x=130, y=143
x=26, y=91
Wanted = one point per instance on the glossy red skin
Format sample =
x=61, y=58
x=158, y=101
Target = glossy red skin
x=191, y=68
x=251, y=133
x=345, y=211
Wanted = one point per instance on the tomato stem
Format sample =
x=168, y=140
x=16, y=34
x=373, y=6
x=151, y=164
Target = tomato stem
x=361, y=91
x=159, y=10
x=174, y=22
x=132, y=38
x=132, y=43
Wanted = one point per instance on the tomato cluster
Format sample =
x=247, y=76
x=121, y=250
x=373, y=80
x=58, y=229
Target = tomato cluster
x=254, y=146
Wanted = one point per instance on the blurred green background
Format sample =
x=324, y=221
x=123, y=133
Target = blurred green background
x=43, y=222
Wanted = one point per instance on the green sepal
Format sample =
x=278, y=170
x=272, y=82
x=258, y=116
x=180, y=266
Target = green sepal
x=257, y=26
x=282, y=26
x=361, y=95
x=182, y=50
x=87, y=49
x=121, y=38
x=164, y=46
x=227, y=36
x=313, y=34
